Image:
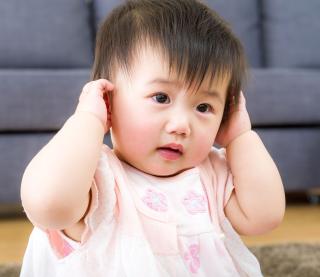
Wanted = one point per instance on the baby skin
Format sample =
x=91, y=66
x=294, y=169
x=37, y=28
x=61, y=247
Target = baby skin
x=158, y=126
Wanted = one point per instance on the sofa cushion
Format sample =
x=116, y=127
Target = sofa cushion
x=284, y=97
x=44, y=33
x=102, y=8
x=36, y=100
x=292, y=33
x=244, y=18
x=241, y=14
x=17, y=150
x=296, y=154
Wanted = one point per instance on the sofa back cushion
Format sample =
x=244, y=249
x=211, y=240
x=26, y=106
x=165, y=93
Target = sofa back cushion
x=292, y=33
x=45, y=33
x=245, y=20
x=103, y=7
x=283, y=97
x=243, y=16
x=39, y=100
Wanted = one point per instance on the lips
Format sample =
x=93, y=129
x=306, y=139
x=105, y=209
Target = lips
x=171, y=151
x=173, y=146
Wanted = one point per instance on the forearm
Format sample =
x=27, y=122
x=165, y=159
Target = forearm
x=257, y=182
x=60, y=175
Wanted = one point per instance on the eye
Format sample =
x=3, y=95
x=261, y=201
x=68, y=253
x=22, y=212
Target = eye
x=204, y=108
x=161, y=98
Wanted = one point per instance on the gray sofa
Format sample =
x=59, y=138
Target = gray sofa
x=46, y=52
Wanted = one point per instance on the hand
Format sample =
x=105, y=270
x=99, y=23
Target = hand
x=95, y=99
x=237, y=123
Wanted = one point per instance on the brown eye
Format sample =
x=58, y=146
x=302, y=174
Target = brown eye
x=161, y=98
x=204, y=108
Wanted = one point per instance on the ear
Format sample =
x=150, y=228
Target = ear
x=107, y=97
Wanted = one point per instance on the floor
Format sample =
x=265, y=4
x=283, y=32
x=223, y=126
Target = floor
x=301, y=224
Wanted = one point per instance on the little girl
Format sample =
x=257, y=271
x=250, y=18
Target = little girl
x=163, y=202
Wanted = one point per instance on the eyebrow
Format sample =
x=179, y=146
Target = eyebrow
x=212, y=93
x=163, y=81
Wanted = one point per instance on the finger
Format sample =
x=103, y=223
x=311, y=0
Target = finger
x=106, y=83
x=102, y=86
x=242, y=100
x=87, y=87
x=97, y=87
x=85, y=90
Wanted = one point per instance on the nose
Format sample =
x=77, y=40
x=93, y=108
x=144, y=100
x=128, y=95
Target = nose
x=178, y=124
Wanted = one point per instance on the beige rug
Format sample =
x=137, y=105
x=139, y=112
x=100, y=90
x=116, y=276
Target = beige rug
x=289, y=260
x=283, y=260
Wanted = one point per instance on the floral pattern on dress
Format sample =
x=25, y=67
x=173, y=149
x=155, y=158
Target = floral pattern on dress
x=195, y=203
x=155, y=200
x=192, y=258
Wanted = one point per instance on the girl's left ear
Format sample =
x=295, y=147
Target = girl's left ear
x=232, y=101
x=227, y=108
x=108, y=100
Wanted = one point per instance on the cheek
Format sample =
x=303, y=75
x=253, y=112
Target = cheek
x=133, y=129
x=203, y=142
x=141, y=129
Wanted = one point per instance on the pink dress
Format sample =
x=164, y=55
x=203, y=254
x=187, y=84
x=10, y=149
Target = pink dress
x=142, y=225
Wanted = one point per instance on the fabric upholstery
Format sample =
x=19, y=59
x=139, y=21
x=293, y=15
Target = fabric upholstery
x=292, y=33
x=34, y=34
x=17, y=150
x=41, y=99
x=102, y=8
x=277, y=97
x=296, y=153
x=244, y=18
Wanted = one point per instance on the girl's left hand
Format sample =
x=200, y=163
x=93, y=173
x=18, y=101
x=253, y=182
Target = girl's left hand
x=237, y=123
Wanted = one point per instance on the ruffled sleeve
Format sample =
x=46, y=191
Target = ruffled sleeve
x=222, y=186
x=102, y=207
x=223, y=183
x=103, y=196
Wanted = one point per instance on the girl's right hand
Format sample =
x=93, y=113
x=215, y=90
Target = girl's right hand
x=95, y=99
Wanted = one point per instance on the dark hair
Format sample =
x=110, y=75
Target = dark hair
x=195, y=40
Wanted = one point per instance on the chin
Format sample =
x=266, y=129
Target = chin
x=167, y=172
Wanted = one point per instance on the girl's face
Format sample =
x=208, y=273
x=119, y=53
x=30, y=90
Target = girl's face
x=158, y=126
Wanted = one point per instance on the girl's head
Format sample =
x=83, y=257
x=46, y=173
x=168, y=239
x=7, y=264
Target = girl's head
x=175, y=65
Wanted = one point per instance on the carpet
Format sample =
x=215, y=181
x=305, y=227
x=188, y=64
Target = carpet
x=281, y=260
x=289, y=260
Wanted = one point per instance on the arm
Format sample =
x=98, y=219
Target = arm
x=56, y=183
x=257, y=204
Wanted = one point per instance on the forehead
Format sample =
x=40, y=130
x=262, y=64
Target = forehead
x=150, y=66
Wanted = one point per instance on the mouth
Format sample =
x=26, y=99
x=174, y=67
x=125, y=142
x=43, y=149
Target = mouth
x=171, y=151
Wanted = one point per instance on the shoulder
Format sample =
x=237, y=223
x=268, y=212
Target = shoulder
x=102, y=198
x=217, y=155
x=108, y=167
x=217, y=176
x=217, y=161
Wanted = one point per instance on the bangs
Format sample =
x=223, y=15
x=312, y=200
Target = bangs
x=195, y=42
x=191, y=70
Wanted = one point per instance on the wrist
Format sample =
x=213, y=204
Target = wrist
x=95, y=106
x=92, y=115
